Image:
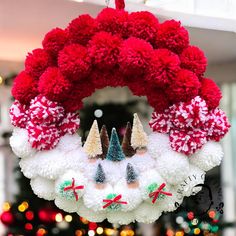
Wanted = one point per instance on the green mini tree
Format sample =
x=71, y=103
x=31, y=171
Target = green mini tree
x=131, y=175
x=100, y=176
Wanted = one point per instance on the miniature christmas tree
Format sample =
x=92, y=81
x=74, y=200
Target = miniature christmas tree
x=126, y=143
x=115, y=152
x=105, y=141
x=139, y=138
x=93, y=146
x=131, y=175
x=100, y=176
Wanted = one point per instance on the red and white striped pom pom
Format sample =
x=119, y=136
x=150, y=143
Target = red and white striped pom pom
x=217, y=124
x=192, y=114
x=43, y=137
x=44, y=111
x=70, y=123
x=19, y=114
x=187, y=142
x=160, y=122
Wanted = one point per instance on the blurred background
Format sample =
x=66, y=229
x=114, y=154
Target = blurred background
x=212, y=27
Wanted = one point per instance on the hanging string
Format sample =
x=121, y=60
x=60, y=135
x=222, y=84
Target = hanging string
x=120, y=4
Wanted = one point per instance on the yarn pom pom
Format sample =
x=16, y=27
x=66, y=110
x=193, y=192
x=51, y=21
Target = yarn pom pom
x=18, y=114
x=173, y=36
x=187, y=142
x=53, y=85
x=54, y=41
x=104, y=50
x=70, y=123
x=163, y=68
x=135, y=56
x=143, y=25
x=44, y=111
x=82, y=29
x=37, y=62
x=74, y=62
x=210, y=92
x=24, y=88
x=193, y=58
x=184, y=87
x=113, y=21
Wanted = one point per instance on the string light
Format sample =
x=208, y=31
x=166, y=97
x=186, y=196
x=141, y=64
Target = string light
x=29, y=215
x=109, y=231
x=84, y=221
x=78, y=233
x=212, y=214
x=28, y=226
x=197, y=231
x=68, y=218
x=58, y=217
x=179, y=233
x=194, y=221
x=100, y=230
x=91, y=233
x=41, y=232
x=1, y=80
x=6, y=206
x=23, y=206
x=127, y=232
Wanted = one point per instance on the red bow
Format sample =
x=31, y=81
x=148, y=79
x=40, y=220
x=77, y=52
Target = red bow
x=74, y=188
x=159, y=191
x=114, y=200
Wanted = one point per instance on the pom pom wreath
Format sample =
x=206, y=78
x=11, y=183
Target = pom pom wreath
x=67, y=205
x=24, y=88
x=143, y=162
x=113, y=21
x=20, y=145
x=37, y=62
x=70, y=123
x=184, y=87
x=143, y=25
x=43, y=137
x=69, y=142
x=193, y=58
x=82, y=29
x=208, y=157
x=163, y=67
x=210, y=92
x=43, y=188
x=104, y=50
x=122, y=218
x=74, y=62
x=53, y=85
x=134, y=56
x=160, y=122
x=173, y=36
x=18, y=114
x=44, y=111
x=187, y=142
x=177, y=171
x=54, y=41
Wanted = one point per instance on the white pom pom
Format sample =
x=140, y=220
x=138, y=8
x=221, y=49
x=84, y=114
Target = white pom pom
x=69, y=142
x=43, y=188
x=147, y=213
x=122, y=218
x=142, y=162
x=90, y=214
x=67, y=205
x=209, y=156
x=158, y=144
x=19, y=143
x=173, y=166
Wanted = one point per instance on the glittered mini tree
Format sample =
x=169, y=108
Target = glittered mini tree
x=100, y=176
x=139, y=138
x=105, y=141
x=126, y=143
x=131, y=175
x=93, y=146
x=115, y=152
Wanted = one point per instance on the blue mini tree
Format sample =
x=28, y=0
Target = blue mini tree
x=115, y=152
x=100, y=176
x=131, y=175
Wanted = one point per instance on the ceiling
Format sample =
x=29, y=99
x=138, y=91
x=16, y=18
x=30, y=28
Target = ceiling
x=23, y=23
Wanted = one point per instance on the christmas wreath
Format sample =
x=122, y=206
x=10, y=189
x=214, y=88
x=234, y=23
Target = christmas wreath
x=147, y=174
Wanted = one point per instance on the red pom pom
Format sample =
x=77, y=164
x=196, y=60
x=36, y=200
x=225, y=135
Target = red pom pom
x=82, y=29
x=184, y=87
x=137, y=86
x=134, y=57
x=24, y=88
x=74, y=62
x=113, y=21
x=53, y=85
x=54, y=41
x=44, y=111
x=43, y=137
x=192, y=58
x=143, y=25
x=210, y=92
x=217, y=124
x=37, y=62
x=173, y=36
x=120, y=4
x=104, y=50
x=187, y=142
x=163, y=67
x=160, y=122
x=70, y=124
x=18, y=114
